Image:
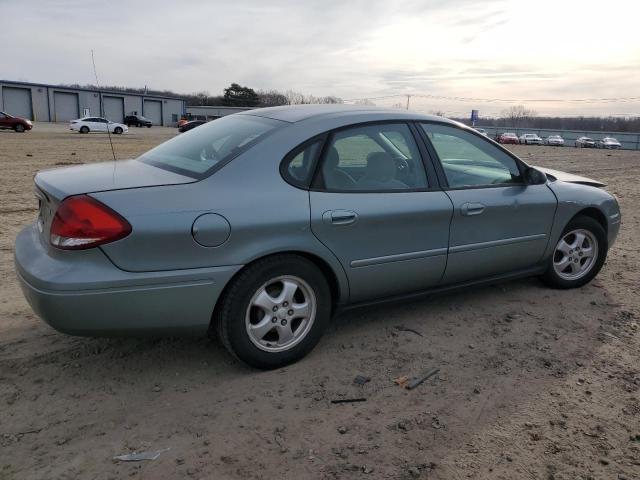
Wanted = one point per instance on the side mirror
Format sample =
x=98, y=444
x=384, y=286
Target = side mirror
x=534, y=177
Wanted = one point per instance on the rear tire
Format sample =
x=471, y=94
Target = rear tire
x=19, y=128
x=578, y=255
x=84, y=129
x=274, y=312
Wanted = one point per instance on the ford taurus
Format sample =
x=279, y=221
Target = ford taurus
x=259, y=226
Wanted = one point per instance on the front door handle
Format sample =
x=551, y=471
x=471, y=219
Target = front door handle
x=469, y=209
x=340, y=217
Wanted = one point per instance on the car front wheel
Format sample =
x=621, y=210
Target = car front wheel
x=274, y=312
x=117, y=130
x=19, y=128
x=84, y=129
x=579, y=254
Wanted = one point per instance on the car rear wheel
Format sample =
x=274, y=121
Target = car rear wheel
x=274, y=312
x=117, y=130
x=84, y=129
x=579, y=254
x=19, y=128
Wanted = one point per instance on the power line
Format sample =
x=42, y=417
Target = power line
x=504, y=100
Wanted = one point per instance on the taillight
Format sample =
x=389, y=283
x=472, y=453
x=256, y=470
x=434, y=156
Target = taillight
x=83, y=222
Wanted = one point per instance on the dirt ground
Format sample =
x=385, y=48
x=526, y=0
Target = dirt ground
x=534, y=383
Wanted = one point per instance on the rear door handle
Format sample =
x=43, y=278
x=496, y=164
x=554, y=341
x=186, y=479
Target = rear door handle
x=340, y=217
x=469, y=209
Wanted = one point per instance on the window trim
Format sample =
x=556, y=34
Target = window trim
x=294, y=152
x=522, y=166
x=317, y=185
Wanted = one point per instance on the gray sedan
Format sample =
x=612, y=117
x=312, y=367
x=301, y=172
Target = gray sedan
x=261, y=225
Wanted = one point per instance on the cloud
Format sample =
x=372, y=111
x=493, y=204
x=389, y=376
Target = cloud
x=463, y=48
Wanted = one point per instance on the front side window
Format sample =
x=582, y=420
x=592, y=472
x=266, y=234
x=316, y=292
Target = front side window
x=200, y=150
x=469, y=160
x=381, y=157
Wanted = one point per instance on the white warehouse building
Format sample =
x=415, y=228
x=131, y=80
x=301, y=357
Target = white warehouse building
x=52, y=103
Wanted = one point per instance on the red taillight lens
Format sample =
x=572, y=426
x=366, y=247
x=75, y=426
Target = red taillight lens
x=83, y=222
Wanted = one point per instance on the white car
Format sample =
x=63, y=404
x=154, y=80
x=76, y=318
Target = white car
x=609, y=142
x=482, y=131
x=554, y=140
x=530, y=139
x=97, y=124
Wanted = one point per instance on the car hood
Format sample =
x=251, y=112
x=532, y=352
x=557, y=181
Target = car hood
x=105, y=176
x=570, y=177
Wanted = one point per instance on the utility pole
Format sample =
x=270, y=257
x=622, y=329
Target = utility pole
x=408, y=97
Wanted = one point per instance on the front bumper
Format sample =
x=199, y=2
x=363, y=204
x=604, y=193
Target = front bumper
x=83, y=293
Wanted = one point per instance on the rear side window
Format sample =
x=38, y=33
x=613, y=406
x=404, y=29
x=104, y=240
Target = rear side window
x=199, y=151
x=377, y=157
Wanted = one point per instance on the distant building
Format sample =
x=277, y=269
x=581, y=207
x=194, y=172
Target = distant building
x=52, y=103
x=210, y=112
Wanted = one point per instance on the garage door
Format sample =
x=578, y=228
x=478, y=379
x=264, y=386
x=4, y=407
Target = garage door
x=65, y=106
x=153, y=111
x=17, y=101
x=114, y=108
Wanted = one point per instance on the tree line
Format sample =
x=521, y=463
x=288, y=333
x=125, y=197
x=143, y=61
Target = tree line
x=519, y=116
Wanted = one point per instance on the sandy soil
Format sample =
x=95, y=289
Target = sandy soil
x=533, y=383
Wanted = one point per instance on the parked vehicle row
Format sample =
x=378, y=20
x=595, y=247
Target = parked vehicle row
x=556, y=140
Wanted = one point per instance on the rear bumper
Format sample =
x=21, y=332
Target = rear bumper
x=83, y=293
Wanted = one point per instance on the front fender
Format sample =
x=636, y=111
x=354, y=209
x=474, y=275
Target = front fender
x=574, y=198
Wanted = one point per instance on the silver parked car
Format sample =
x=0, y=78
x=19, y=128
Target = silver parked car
x=609, y=142
x=554, y=140
x=262, y=225
x=530, y=139
x=585, y=142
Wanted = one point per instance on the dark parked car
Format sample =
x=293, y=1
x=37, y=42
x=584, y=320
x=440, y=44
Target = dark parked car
x=137, y=121
x=191, y=125
x=14, y=123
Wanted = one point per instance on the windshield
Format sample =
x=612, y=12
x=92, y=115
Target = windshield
x=197, y=152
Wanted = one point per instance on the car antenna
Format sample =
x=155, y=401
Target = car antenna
x=95, y=72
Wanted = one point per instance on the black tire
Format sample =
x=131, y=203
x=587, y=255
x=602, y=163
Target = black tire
x=148, y=126
x=552, y=279
x=84, y=129
x=229, y=316
x=19, y=128
x=117, y=131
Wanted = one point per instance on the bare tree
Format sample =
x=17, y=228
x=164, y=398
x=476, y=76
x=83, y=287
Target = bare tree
x=518, y=115
x=272, y=98
x=364, y=101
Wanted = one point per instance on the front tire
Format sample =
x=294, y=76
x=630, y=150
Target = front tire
x=579, y=254
x=117, y=131
x=19, y=128
x=274, y=312
x=84, y=129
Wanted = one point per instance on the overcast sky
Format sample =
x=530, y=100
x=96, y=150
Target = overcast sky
x=485, y=49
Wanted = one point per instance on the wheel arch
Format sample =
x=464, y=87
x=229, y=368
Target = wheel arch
x=596, y=214
x=337, y=296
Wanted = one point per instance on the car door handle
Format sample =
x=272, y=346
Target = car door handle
x=340, y=217
x=469, y=209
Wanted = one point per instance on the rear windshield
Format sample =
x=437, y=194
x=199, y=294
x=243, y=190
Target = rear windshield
x=198, y=152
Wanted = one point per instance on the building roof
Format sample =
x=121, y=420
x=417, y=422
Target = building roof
x=84, y=89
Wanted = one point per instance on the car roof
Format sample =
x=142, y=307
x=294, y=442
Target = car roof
x=298, y=113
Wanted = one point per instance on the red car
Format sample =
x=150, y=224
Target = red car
x=508, y=137
x=14, y=123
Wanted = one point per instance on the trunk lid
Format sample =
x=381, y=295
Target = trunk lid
x=101, y=177
x=53, y=186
